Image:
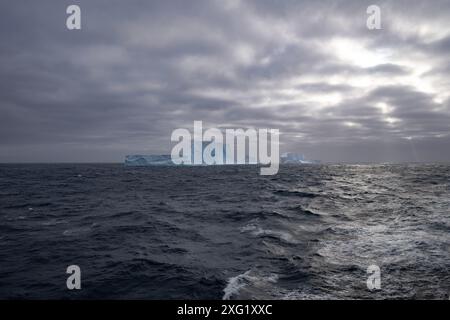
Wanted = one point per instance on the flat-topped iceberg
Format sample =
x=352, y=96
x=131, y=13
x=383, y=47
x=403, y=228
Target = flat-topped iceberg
x=148, y=160
x=295, y=158
x=165, y=160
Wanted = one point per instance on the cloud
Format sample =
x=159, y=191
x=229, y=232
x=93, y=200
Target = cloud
x=138, y=70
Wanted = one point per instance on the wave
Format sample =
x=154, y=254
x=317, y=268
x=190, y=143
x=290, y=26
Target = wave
x=246, y=279
x=171, y=233
x=297, y=193
x=263, y=233
x=79, y=230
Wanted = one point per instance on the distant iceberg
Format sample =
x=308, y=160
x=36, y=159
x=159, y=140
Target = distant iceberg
x=148, y=160
x=296, y=158
x=166, y=160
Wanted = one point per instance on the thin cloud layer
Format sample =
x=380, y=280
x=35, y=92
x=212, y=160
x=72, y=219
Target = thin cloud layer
x=139, y=69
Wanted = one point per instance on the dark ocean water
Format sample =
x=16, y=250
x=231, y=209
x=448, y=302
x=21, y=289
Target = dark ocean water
x=309, y=232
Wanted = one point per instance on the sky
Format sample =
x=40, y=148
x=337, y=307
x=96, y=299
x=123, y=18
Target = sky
x=137, y=70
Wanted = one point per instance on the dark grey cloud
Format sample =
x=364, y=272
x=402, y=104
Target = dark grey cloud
x=139, y=69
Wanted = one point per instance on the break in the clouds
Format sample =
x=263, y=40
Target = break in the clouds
x=139, y=69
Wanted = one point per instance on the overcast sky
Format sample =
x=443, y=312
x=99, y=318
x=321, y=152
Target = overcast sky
x=137, y=70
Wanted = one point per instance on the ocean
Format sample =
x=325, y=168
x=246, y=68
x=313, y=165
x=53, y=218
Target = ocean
x=225, y=232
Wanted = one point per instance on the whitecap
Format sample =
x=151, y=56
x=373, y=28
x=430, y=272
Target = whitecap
x=260, y=232
x=234, y=285
x=75, y=231
x=237, y=283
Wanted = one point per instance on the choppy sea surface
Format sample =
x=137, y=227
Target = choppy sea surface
x=225, y=232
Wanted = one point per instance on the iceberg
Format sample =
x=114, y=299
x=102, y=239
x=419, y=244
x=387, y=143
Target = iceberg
x=165, y=159
x=148, y=160
x=296, y=158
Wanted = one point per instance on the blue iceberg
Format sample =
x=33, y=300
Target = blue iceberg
x=296, y=158
x=166, y=160
x=148, y=160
